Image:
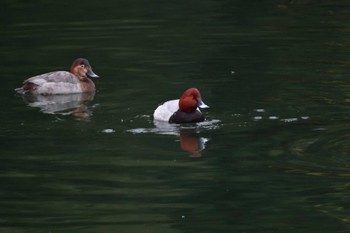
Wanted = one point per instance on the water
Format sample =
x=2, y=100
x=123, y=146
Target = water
x=273, y=155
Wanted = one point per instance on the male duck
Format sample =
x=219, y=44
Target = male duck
x=183, y=110
x=62, y=82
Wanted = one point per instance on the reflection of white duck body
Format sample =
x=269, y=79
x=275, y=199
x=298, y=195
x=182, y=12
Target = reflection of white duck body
x=184, y=134
x=163, y=127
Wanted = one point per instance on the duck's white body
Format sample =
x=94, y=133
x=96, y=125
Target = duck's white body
x=166, y=110
x=183, y=110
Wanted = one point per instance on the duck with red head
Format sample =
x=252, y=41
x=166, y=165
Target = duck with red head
x=62, y=82
x=183, y=110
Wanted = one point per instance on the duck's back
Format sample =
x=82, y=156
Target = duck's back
x=55, y=77
x=57, y=82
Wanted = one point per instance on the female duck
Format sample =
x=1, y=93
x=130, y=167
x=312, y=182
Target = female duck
x=62, y=82
x=183, y=110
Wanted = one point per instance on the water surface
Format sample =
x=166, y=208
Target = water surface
x=273, y=155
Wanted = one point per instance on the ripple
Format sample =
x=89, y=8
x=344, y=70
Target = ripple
x=288, y=120
x=164, y=128
x=260, y=114
x=325, y=151
x=108, y=131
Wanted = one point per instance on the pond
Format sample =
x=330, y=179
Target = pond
x=272, y=156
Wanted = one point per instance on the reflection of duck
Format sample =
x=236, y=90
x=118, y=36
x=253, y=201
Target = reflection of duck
x=189, y=138
x=70, y=104
x=62, y=82
x=183, y=110
x=191, y=142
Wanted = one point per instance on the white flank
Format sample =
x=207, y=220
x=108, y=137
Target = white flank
x=164, y=111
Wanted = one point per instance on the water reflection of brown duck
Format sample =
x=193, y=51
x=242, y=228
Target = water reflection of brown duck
x=70, y=104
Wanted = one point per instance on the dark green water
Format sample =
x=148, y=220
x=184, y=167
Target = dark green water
x=275, y=74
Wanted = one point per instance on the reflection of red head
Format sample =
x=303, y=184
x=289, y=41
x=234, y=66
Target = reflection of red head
x=190, y=143
x=189, y=100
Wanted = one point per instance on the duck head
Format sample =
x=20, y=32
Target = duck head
x=82, y=68
x=190, y=100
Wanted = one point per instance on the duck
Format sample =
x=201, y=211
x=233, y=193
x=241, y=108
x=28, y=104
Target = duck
x=183, y=110
x=62, y=82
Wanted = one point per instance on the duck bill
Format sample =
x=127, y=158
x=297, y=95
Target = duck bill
x=91, y=74
x=201, y=104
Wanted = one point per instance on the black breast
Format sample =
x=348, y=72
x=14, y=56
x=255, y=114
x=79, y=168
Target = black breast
x=183, y=117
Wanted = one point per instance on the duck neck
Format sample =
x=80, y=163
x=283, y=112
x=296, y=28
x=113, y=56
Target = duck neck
x=83, y=78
